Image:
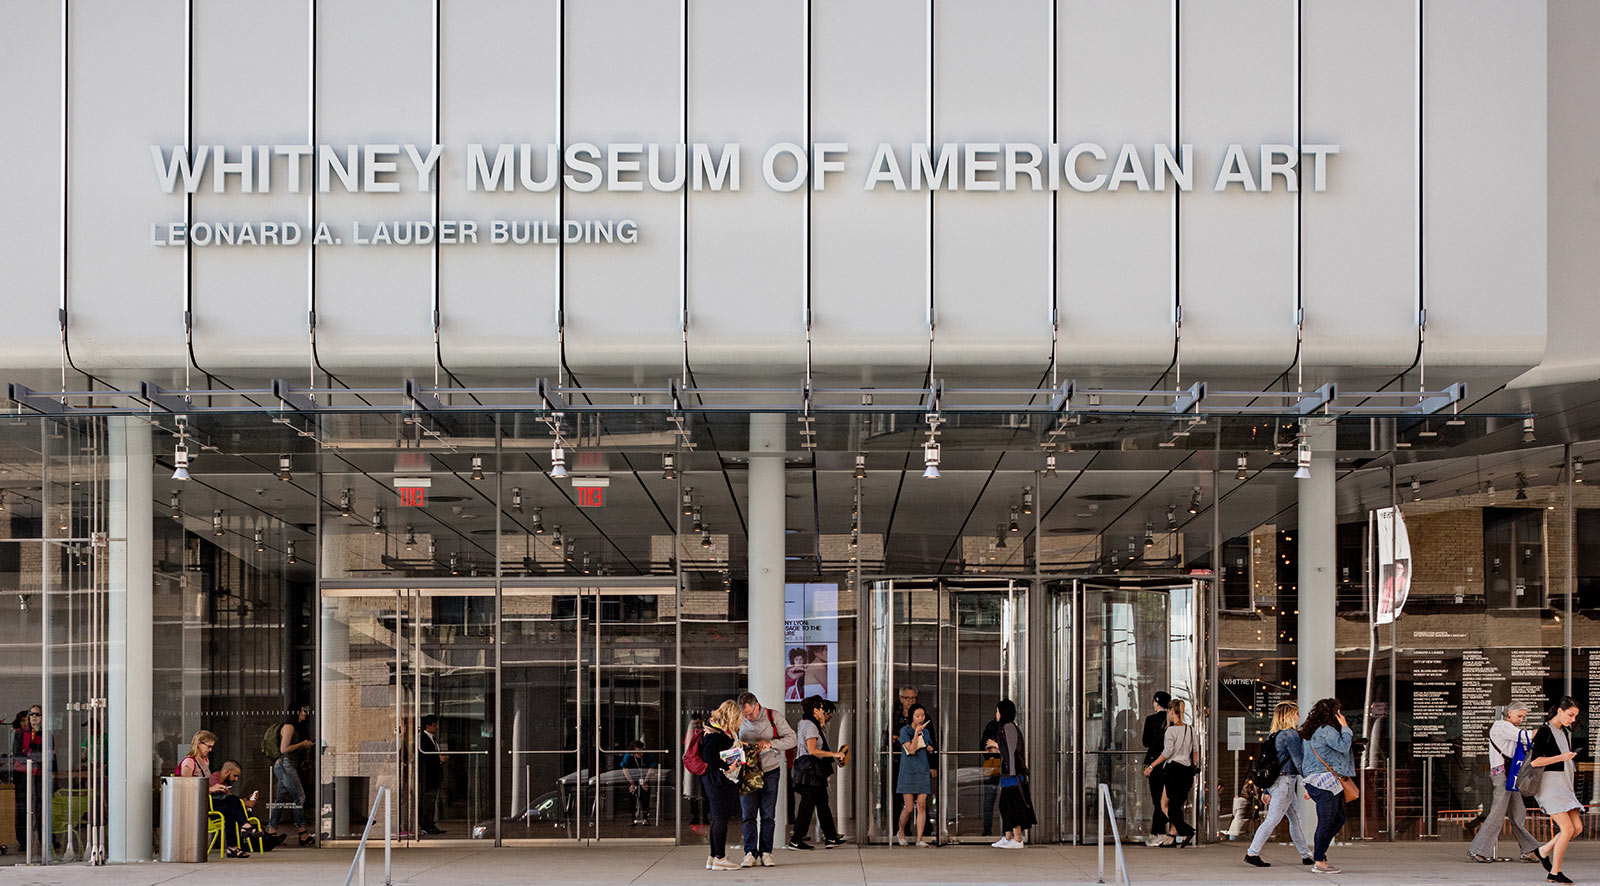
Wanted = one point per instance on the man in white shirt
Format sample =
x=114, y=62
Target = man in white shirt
x=1503, y=738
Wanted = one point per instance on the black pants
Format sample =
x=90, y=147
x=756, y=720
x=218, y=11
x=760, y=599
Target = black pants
x=40, y=804
x=427, y=808
x=814, y=798
x=1179, y=783
x=234, y=817
x=991, y=790
x=641, y=803
x=722, y=799
x=1158, y=819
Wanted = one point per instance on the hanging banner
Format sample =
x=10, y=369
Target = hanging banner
x=1394, y=564
x=811, y=641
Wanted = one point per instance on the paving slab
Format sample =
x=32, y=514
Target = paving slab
x=1367, y=864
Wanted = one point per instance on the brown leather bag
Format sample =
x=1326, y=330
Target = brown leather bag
x=1352, y=791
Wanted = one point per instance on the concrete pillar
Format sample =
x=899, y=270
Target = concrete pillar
x=129, y=637
x=766, y=546
x=1314, y=542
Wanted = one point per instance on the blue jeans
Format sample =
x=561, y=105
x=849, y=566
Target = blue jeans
x=1330, y=818
x=1282, y=804
x=762, y=803
x=291, y=795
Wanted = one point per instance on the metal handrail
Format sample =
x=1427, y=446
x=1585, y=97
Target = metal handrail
x=359, y=863
x=1116, y=838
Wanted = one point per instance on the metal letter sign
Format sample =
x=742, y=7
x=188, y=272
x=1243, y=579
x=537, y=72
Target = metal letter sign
x=591, y=497
x=413, y=496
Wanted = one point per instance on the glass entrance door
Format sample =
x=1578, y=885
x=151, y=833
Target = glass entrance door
x=960, y=646
x=1131, y=640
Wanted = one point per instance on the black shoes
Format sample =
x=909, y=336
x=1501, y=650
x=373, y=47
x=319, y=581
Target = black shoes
x=800, y=844
x=1256, y=861
x=1558, y=878
x=1307, y=861
x=831, y=842
x=1544, y=860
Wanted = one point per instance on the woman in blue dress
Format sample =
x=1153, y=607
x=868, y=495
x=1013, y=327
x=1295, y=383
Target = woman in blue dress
x=916, y=770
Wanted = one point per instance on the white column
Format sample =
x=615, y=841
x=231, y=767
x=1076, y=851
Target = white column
x=766, y=546
x=129, y=635
x=1314, y=541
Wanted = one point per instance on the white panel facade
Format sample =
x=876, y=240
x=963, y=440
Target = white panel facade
x=992, y=262
x=869, y=249
x=30, y=228
x=1236, y=282
x=497, y=303
x=124, y=297
x=375, y=85
x=746, y=249
x=623, y=83
x=249, y=303
x=1359, y=237
x=1114, y=86
x=1484, y=270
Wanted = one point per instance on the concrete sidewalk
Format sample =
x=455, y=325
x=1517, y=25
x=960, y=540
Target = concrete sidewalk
x=1371, y=864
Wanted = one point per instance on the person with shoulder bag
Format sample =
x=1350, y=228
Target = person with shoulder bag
x=1548, y=776
x=1278, y=782
x=1016, y=807
x=1508, y=755
x=1329, y=775
x=1177, y=769
x=813, y=766
x=719, y=779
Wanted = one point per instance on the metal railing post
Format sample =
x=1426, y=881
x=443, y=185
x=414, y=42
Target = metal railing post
x=1100, y=801
x=1116, y=838
x=29, y=854
x=388, y=841
x=358, y=866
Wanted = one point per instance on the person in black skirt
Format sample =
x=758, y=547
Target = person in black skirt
x=1016, y=810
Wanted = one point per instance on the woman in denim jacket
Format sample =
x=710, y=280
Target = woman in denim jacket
x=1327, y=756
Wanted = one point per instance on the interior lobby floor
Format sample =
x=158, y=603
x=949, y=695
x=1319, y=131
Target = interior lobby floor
x=1370, y=864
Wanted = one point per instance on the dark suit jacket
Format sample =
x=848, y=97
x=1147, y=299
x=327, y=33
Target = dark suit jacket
x=430, y=769
x=1155, y=735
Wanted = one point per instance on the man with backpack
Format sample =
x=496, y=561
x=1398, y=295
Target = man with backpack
x=1508, y=752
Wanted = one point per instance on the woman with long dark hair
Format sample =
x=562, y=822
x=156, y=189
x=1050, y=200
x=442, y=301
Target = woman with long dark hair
x=1327, y=738
x=813, y=764
x=1016, y=812
x=1552, y=748
x=27, y=747
x=1176, y=768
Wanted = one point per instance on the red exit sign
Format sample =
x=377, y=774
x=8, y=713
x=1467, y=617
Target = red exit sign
x=591, y=496
x=413, y=497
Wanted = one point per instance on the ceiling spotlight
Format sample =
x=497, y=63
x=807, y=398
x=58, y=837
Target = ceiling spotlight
x=455, y=568
x=477, y=467
x=1050, y=465
x=861, y=466
x=516, y=499
x=283, y=468
x=433, y=550
x=1243, y=472
x=538, y=521
x=698, y=523
x=216, y=523
x=261, y=544
x=1027, y=500
x=1172, y=516
x=558, y=462
x=557, y=539
x=855, y=539
x=930, y=461
x=1522, y=487
x=1577, y=472
x=288, y=550
x=1416, y=490
x=1149, y=535
x=180, y=460
x=688, y=500
x=411, y=539
x=1527, y=430
x=377, y=521
x=1013, y=526
x=176, y=501
x=1000, y=535
x=344, y=502
x=1488, y=488
x=1302, y=459
x=705, y=538
x=669, y=466
x=1194, y=501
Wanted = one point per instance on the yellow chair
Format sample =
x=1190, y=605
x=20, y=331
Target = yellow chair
x=215, y=822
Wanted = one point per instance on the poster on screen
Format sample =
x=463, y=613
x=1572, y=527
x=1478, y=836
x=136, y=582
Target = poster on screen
x=1394, y=564
x=810, y=641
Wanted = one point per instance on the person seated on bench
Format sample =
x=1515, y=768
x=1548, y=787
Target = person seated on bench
x=236, y=810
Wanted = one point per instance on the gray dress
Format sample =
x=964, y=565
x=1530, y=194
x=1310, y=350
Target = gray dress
x=1555, y=788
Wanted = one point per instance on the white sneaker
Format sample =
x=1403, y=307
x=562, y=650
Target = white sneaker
x=1001, y=843
x=1013, y=844
x=1153, y=840
x=922, y=844
x=709, y=860
x=749, y=861
x=903, y=842
x=766, y=860
x=722, y=864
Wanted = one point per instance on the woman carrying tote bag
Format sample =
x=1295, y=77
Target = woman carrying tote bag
x=1329, y=774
